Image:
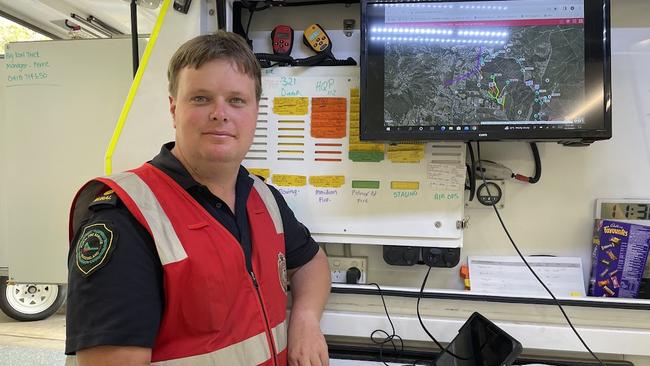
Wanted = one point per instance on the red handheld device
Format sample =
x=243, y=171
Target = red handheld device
x=282, y=40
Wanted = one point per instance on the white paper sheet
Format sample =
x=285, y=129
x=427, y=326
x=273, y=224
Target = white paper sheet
x=510, y=276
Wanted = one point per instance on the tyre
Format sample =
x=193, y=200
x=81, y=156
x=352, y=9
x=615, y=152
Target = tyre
x=28, y=301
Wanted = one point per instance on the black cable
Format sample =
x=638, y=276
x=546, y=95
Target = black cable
x=478, y=151
x=250, y=18
x=252, y=8
x=388, y=337
x=538, y=164
x=538, y=167
x=417, y=309
x=471, y=171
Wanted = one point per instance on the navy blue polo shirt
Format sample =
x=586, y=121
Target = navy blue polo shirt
x=122, y=302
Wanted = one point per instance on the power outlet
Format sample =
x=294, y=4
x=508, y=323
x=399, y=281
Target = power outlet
x=340, y=265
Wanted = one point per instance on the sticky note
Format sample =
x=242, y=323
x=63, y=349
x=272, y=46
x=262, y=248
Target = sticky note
x=406, y=153
x=367, y=147
x=366, y=156
x=404, y=185
x=290, y=106
x=265, y=173
x=286, y=180
x=327, y=181
x=365, y=184
x=361, y=151
x=328, y=117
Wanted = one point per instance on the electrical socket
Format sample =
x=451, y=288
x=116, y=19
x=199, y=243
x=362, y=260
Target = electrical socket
x=340, y=265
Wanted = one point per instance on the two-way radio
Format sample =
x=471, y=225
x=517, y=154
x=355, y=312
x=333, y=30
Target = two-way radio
x=318, y=41
x=282, y=40
x=315, y=37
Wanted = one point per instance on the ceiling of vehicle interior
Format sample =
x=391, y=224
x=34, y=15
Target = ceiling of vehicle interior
x=50, y=15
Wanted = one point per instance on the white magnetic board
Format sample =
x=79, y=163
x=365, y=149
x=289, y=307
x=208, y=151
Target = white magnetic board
x=345, y=190
x=62, y=99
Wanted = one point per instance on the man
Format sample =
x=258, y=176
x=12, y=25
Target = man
x=184, y=261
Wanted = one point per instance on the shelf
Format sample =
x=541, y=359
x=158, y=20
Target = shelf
x=594, y=302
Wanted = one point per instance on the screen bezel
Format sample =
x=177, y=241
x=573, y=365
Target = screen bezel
x=597, y=72
x=478, y=322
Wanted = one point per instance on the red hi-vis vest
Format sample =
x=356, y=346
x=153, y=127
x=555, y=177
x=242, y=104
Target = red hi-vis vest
x=216, y=312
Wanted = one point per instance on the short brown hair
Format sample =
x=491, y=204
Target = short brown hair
x=221, y=45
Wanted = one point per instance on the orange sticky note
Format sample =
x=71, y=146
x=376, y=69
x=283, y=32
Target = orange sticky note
x=328, y=117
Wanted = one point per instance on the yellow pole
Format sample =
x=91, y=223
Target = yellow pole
x=108, y=156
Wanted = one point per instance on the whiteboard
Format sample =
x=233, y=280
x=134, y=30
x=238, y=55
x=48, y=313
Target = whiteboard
x=345, y=190
x=62, y=99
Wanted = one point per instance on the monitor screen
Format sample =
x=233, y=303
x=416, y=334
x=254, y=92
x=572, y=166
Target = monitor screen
x=480, y=343
x=485, y=70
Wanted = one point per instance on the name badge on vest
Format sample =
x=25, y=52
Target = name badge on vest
x=282, y=272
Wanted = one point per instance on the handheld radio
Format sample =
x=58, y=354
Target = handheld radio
x=282, y=40
x=317, y=39
x=282, y=43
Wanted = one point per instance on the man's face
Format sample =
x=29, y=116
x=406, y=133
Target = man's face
x=215, y=113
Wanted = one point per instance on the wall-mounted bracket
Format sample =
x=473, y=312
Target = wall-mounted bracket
x=348, y=27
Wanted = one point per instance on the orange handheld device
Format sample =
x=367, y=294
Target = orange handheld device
x=317, y=39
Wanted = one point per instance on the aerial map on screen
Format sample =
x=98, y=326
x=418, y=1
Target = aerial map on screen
x=538, y=74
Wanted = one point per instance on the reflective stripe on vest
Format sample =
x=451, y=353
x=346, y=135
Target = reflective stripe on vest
x=269, y=201
x=280, y=336
x=169, y=247
x=249, y=352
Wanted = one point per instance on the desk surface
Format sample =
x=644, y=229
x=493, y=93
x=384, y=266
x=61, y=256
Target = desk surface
x=335, y=362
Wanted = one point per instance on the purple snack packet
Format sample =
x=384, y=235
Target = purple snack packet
x=618, y=259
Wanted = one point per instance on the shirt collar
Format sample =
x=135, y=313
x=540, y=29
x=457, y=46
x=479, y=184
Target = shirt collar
x=170, y=165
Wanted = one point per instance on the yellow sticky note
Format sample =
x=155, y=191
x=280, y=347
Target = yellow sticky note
x=290, y=106
x=354, y=92
x=366, y=147
x=406, y=153
x=354, y=139
x=406, y=147
x=327, y=181
x=287, y=180
x=265, y=173
x=405, y=156
x=404, y=185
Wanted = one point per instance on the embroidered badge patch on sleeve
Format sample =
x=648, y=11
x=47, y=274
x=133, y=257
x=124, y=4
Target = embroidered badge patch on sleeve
x=94, y=247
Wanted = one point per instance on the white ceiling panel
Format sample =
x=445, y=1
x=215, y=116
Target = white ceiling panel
x=49, y=15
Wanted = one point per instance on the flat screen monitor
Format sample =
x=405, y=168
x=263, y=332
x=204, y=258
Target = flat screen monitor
x=480, y=343
x=534, y=70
